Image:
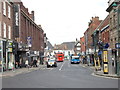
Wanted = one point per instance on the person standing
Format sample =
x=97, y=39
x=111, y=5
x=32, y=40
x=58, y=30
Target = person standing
x=26, y=63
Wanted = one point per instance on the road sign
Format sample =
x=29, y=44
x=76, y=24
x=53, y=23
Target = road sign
x=117, y=45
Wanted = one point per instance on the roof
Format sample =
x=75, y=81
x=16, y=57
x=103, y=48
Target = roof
x=70, y=45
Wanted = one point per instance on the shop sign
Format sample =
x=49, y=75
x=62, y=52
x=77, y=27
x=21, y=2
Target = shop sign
x=9, y=49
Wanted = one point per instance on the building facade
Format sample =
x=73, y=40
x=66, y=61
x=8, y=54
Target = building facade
x=28, y=35
x=93, y=24
x=6, y=34
x=82, y=42
x=114, y=21
x=21, y=38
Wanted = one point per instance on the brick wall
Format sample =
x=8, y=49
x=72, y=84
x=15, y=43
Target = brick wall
x=5, y=19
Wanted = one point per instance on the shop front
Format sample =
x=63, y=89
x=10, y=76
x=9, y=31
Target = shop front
x=1, y=56
x=10, y=55
x=22, y=54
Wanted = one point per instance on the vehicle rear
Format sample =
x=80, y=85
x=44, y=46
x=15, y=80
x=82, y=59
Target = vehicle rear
x=51, y=63
x=60, y=57
x=75, y=59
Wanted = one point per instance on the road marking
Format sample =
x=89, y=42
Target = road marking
x=61, y=66
x=68, y=64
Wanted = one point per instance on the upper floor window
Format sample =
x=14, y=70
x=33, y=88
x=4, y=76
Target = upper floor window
x=4, y=8
x=9, y=12
x=4, y=30
x=0, y=7
x=9, y=32
x=0, y=29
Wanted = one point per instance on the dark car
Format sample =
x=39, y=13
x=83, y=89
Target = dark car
x=51, y=63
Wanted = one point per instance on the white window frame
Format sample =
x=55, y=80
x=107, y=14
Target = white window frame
x=9, y=32
x=4, y=8
x=9, y=12
x=4, y=30
x=0, y=29
x=0, y=7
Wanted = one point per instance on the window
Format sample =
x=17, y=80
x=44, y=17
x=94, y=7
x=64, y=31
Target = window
x=0, y=7
x=9, y=13
x=4, y=30
x=4, y=8
x=9, y=32
x=0, y=29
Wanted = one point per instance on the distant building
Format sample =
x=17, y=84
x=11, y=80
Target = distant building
x=93, y=24
x=82, y=42
x=65, y=46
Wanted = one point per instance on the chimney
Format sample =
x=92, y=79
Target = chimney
x=32, y=15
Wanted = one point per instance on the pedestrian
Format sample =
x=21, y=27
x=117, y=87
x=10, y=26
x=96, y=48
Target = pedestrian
x=16, y=65
x=26, y=63
x=20, y=64
x=35, y=63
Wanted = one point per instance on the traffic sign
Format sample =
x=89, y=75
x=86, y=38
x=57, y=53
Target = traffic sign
x=117, y=45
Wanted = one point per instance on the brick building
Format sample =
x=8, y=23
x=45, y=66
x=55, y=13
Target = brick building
x=104, y=31
x=82, y=42
x=20, y=37
x=114, y=21
x=93, y=24
x=28, y=35
x=6, y=34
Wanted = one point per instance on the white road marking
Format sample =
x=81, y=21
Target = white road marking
x=61, y=66
x=68, y=64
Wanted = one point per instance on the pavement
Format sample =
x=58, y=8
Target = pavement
x=100, y=72
x=19, y=71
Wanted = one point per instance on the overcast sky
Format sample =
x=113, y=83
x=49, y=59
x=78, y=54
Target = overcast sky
x=66, y=20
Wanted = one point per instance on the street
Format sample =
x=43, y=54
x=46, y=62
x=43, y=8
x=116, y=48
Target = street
x=66, y=75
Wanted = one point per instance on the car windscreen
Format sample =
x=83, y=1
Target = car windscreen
x=60, y=56
x=75, y=57
x=51, y=60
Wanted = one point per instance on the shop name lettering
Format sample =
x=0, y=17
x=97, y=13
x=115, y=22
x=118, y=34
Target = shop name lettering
x=16, y=18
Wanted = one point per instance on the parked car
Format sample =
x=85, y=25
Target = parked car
x=51, y=63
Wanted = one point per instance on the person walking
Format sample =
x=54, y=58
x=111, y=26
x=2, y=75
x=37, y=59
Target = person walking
x=26, y=63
